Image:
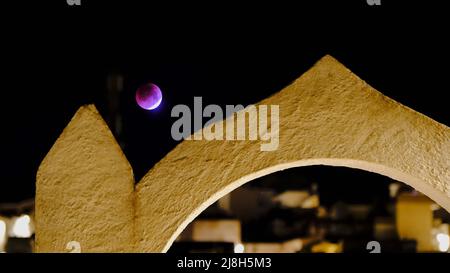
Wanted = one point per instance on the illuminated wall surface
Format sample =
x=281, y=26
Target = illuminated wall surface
x=85, y=187
x=419, y=206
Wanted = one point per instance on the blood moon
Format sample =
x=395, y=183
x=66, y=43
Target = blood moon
x=148, y=96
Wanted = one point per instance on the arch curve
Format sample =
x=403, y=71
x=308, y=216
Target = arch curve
x=333, y=162
x=85, y=189
x=327, y=117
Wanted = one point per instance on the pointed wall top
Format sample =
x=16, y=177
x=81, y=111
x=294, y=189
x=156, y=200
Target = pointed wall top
x=84, y=190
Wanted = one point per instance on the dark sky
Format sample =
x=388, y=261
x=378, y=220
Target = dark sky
x=55, y=58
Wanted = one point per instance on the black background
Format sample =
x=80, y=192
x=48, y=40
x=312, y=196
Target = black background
x=55, y=58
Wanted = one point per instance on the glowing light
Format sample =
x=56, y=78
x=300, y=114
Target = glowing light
x=21, y=227
x=239, y=248
x=2, y=234
x=148, y=96
x=443, y=242
x=326, y=247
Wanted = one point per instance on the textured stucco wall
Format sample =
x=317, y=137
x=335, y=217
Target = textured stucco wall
x=327, y=116
x=84, y=190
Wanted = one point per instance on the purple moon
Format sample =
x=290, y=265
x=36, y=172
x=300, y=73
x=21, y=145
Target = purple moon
x=148, y=96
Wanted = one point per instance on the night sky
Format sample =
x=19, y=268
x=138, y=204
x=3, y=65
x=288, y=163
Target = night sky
x=55, y=58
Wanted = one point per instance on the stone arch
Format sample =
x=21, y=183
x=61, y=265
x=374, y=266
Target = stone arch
x=85, y=186
x=355, y=164
x=327, y=117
